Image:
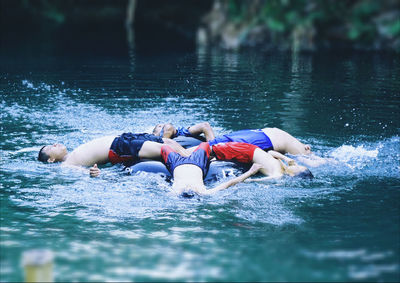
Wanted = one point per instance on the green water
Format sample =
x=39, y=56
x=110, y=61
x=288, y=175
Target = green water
x=341, y=226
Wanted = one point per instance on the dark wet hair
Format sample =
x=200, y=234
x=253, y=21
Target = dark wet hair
x=306, y=174
x=188, y=194
x=42, y=155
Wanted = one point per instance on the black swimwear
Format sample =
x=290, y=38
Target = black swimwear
x=125, y=148
x=199, y=157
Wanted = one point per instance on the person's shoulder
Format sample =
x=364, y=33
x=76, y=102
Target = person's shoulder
x=70, y=160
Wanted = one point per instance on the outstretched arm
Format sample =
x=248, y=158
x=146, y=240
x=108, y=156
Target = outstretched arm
x=253, y=170
x=202, y=128
x=94, y=171
x=278, y=155
x=263, y=179
x=313, y=160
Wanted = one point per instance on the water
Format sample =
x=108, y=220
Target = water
x=341, y=226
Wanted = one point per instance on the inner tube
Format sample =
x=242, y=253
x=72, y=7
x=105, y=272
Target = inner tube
x=149, y=166
x=187, y=142
x=218, y=170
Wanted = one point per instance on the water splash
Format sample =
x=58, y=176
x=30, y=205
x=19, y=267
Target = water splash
x=347, y=153
x=374, y=158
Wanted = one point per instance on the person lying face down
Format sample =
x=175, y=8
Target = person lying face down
x=271, y=161
x=127, y=148
x=189, y=172
x=170, y=131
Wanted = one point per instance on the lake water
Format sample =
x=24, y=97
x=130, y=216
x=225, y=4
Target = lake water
x=344, y=225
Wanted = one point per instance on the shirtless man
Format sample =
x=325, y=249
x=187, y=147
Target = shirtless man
x=170, y=131
x=127, y=148
x=189, y=172
x=271, y=161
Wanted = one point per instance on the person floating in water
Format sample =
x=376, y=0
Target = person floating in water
x=271, y=161
x=189, y=172
x=127, y=148
x=266, y=139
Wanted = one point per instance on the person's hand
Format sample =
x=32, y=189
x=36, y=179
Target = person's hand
x=255, y=168
x=94, y=171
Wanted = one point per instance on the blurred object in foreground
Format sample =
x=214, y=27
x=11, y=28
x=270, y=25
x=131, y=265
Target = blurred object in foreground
x=38, y=265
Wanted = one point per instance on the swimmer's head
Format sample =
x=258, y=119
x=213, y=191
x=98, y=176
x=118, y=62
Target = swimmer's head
x=52, y=153
x=187, y=190
x=160, y=129
x=299, y=171
x=188, y=194
x=306, y=174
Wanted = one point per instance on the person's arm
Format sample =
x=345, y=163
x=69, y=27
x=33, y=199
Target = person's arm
x=202, y=128
x=75, y=167
x=278, y=155
x=176, y=147
x=263, y=179
x=94, y=171
x=168, y=131
x=313, y=160
x=253, y=170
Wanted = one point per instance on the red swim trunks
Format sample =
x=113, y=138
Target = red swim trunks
x=237, y=151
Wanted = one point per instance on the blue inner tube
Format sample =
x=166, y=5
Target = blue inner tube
x=218, y=169
x=187, y=142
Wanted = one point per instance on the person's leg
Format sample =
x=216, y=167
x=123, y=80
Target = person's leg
x=150, y=150
x=285, y=142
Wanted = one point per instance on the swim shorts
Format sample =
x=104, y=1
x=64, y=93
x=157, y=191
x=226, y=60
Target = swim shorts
x=125, y=148
x=237, y=151
x=254, y=137
x=199, y=157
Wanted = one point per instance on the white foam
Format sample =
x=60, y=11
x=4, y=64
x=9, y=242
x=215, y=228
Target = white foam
x=27, y=84
x=347, y=153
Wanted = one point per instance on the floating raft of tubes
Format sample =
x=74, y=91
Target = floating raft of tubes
x=218, y=169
